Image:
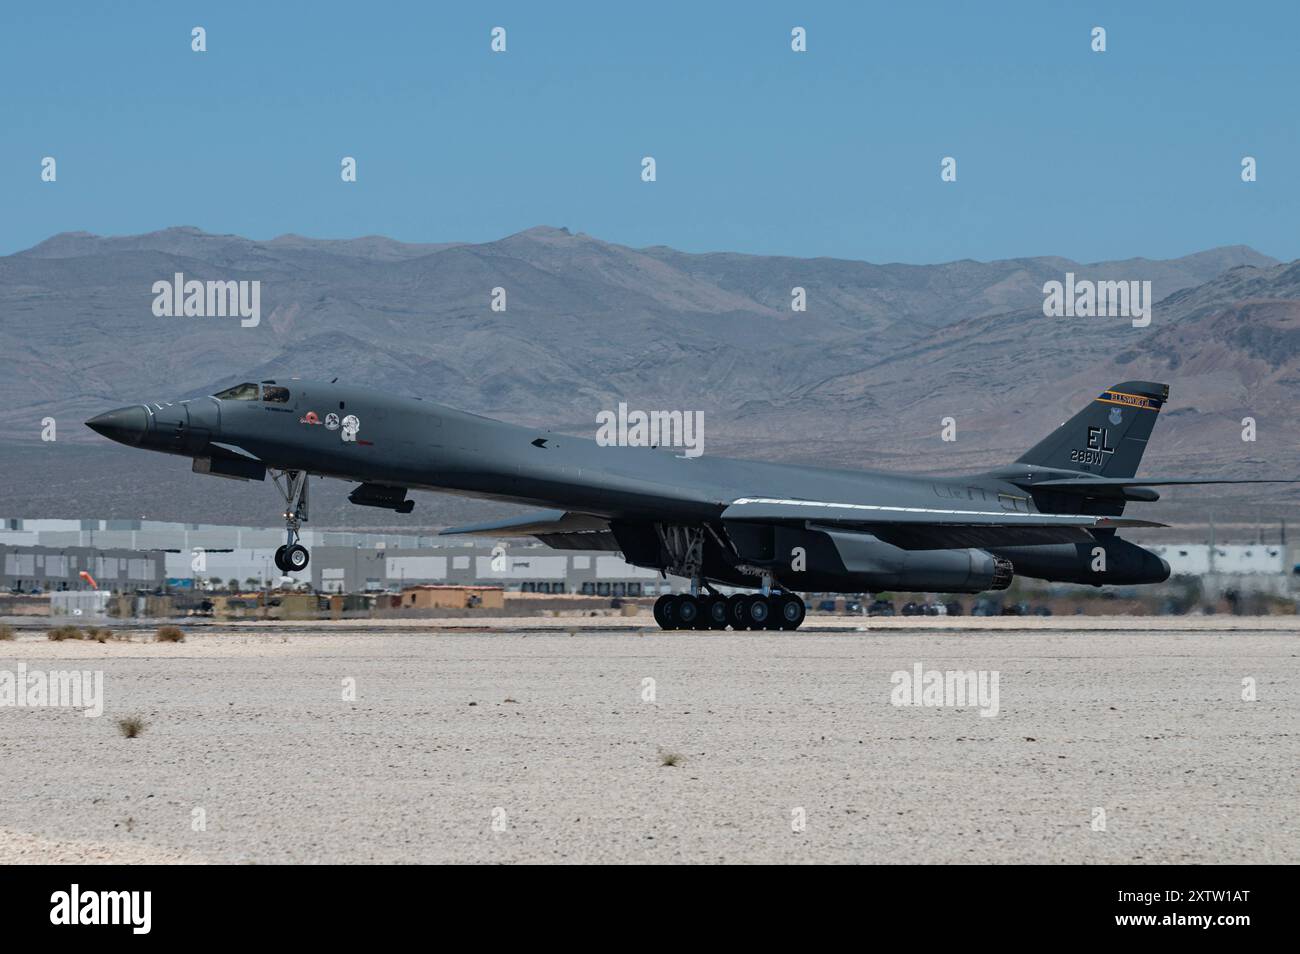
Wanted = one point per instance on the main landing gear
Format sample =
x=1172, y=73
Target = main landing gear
x=705, y=608
x=741, y=611
x=292, y=484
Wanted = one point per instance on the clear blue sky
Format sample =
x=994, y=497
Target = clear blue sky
x=836, y=151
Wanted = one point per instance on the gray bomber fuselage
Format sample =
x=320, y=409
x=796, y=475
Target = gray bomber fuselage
x=709, y=518
x=421, y=445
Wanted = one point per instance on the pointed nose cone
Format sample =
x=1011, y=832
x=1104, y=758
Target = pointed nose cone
x=126, y=425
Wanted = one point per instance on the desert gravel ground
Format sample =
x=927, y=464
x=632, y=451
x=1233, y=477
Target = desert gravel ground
x=530, y=741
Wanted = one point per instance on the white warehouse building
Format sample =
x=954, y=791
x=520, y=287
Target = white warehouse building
x=1200, y=559
x=341, y=562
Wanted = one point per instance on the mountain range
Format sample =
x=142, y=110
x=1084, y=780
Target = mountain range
x=864, y=377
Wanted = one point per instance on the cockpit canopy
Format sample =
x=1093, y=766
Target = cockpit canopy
x=248, y=391
x=240, y=392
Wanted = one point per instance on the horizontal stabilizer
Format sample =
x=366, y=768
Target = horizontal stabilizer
x=1085, y=484
x=538, y=522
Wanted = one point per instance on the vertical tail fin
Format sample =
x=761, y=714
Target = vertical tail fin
x=1108, y=436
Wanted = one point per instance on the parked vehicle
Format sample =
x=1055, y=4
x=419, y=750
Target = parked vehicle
x=880, y=608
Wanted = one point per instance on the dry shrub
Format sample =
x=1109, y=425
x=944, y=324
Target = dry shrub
x=169, y=634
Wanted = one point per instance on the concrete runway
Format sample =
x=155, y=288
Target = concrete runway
x=529, y=744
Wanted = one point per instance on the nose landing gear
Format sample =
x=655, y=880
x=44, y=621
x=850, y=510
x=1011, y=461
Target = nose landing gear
x=292, y=484
x=290, y=559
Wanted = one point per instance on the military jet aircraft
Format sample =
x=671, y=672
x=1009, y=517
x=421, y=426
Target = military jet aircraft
x=778, y=529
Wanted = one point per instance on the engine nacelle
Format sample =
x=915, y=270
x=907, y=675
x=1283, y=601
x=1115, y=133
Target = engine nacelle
x=882, y=566
x=842, y=561
x=1104, y=561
